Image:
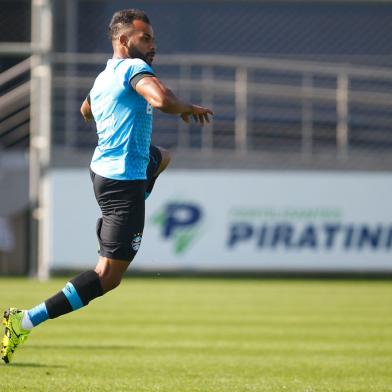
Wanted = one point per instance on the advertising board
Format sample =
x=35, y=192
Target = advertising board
x=240, y=220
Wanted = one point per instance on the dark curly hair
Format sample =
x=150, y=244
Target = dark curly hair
x=123, y=18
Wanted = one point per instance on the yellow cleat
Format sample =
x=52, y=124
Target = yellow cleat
x=13, y=333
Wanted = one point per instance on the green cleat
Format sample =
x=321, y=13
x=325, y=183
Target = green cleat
x=13, y=333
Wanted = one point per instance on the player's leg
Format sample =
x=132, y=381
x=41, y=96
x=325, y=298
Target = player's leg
x=166, y=158
x=77, y=293
x=119, y=233
x=159, y=160
x=110, y=272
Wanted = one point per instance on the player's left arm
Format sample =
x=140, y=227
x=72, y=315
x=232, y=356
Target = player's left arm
x=161, y=97
x=85, y=110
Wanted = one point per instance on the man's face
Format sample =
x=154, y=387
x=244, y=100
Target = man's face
x=140, y=42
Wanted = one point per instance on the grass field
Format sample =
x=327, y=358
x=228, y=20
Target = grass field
x=178, y=335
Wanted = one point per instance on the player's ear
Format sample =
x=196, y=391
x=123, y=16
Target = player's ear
x=123, y=39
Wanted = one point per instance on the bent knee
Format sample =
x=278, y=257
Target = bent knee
x=166, y=159
x=110, y=272
x=112, y=284
x=166, y=156
x=108, y=281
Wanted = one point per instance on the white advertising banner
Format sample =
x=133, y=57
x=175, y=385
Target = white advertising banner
x=239, y=220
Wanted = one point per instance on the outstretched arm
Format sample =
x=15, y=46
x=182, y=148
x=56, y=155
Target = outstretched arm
x=162, y=98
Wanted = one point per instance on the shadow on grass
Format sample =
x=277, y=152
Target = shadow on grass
x=36, y=365
x=83, y=347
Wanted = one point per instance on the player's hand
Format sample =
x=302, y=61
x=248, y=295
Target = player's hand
x=199, y=114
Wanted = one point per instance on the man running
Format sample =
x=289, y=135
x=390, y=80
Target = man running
x=122, y=168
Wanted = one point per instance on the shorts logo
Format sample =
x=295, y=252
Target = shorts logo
x=136, y=242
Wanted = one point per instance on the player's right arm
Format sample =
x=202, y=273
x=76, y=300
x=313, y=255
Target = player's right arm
x=162, y=98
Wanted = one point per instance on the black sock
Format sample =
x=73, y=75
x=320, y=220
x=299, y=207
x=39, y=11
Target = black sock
x=78, y=292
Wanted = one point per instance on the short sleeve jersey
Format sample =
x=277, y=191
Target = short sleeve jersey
x=123, y=120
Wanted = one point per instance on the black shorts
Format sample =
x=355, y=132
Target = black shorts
x=120, y=229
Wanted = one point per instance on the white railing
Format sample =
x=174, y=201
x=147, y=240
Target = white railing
x=341, y=87
x=15, y=104
x=237, y=98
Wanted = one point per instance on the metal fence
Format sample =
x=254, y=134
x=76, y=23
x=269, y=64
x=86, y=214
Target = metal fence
x=260, y=105
x=275, y=98
x=15, y=105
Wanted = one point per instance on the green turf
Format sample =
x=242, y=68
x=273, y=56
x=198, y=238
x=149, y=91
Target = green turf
x=179, y=335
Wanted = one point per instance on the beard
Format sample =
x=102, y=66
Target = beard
x=135, y=53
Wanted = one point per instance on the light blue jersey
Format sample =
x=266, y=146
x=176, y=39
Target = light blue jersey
x=124, y=121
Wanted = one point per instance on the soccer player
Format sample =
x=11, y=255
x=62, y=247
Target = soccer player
x=123, y=168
